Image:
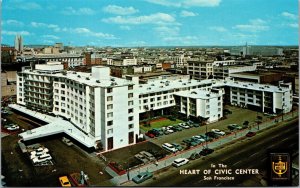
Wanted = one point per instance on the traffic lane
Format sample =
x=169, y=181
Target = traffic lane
x=163, y=180
x=257, y=161
x=246, y=157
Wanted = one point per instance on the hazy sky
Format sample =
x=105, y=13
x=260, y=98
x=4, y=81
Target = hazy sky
x=151, y=22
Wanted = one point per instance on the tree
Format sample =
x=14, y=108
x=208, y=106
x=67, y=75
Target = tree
x=246, y=123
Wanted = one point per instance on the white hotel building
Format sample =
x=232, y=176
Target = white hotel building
x=102, y=107
x=106, y=109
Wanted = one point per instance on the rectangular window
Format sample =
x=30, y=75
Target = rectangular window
x=110, y=123
x=109, y=131
x=130, y=110
x=130, y=95
x=109, y=90
x=130, y=103
x=110, y=106
x=130, y=87
x=130, y=118
x=63, y=98
x=109, y=98
x=109, y=114
x=130, y=126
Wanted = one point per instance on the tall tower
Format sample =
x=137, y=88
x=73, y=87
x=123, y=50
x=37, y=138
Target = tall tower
x=19, y=43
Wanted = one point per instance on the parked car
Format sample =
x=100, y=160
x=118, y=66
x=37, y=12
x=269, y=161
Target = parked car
x=177, y=128
x=169, y=131
x=206, y=151
x=212, y=135
x=169, y=147
x=64, y=181
x=198, y=138
x=13, y=128
x=150, y=134
x=217, y=131
x=148, y=155
x=232, y=127
x=180, y=161
x=141, y=177
x=42, y=158
x=183, y=125
x=250, y=134
x=195, y=125
x=206, y=138
x=157, y=132
x=177, y=146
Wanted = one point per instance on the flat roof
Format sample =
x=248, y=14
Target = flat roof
x=86, y=78
x=56, y=125
x=167, y=84
x=198, y=94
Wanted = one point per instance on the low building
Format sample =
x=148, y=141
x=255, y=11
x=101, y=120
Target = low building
x=201, y=102
x=8, y=83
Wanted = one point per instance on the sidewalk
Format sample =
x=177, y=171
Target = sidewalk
x=168, y=160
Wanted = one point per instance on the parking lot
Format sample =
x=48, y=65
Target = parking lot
x=19, y=171
x=238, y=116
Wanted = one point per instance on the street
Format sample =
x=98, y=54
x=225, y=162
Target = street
x=248, y=153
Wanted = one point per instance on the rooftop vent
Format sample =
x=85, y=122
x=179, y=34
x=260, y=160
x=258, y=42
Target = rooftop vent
x=87, y=78
x=112, y=79
x=78, y=76
x=98, y=81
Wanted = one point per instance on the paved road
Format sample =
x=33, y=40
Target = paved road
x=250, y=153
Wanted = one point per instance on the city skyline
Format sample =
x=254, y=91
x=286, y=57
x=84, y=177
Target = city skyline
x=151, y=22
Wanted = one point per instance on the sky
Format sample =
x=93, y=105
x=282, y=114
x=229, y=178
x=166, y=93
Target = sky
x=151, y=22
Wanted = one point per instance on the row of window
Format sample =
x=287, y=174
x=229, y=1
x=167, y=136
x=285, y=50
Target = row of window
x=110, y=131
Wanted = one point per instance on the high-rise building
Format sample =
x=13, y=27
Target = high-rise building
x=19, y=43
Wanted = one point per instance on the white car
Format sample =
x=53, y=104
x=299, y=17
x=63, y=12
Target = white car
x=217, y=131
x=198, y=138
x=169, y=131
x=169, y=147
x=13, y=128
x=183, y=125
x=42, y=158
x=180, y=161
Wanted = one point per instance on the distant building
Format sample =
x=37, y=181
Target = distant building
x=59, y=45
x=221, y=72
x=8, y=83
x=19, y=43
x=256, y=51
x=199, y=69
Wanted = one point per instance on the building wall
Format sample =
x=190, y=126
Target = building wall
x=8, y=90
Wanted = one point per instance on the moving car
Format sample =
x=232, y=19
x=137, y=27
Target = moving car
x=169, y=147
x=234, y=127
x=194, y=156
x=206, y=151
x=64, y=181
x=141, y=177
x=217, y=131
x=250, y=134
x=180, y=161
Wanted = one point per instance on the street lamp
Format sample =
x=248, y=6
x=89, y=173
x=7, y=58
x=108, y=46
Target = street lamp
x=282, y=112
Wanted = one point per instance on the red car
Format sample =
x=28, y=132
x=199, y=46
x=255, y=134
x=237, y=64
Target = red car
x=250, y=134
x=150, y=135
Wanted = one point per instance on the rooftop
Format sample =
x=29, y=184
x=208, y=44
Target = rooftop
x=198, y=94
x=56, y=125
x=86, y=78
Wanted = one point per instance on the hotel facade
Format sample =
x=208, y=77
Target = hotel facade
x=107, y=109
